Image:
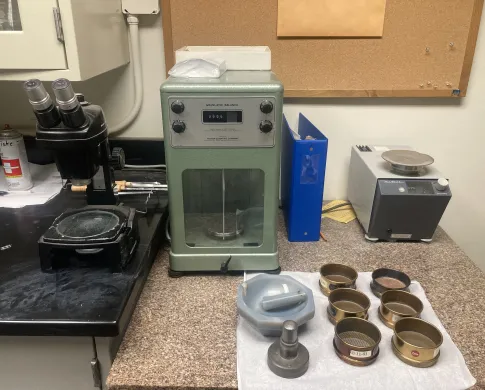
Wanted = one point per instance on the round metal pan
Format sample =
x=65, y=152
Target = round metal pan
x=396, y=305
x=347, y=303
x=334, y=276
x=385, y=279
x=416, y=342
x=356, y=341
x=407, y=162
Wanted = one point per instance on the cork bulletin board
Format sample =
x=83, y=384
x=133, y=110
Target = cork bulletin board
x=426, y=49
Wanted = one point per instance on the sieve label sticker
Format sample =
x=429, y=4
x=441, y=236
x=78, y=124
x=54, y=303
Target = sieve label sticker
x=360, y=354
x=415, y=353
x=436, y=352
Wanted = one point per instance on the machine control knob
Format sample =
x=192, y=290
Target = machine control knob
x=442, y=184
x=177, y=107
x=266, y=126
x=178, y=126
x=266, y=107
x=117, y=159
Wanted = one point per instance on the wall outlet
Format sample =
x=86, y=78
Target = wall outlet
x=140, y=7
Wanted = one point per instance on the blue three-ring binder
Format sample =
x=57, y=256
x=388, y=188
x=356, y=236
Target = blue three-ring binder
x=303, y=164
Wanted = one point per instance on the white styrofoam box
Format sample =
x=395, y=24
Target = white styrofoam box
x=236, y=57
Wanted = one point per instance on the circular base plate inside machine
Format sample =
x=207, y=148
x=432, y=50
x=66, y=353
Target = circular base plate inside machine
x=231, y=228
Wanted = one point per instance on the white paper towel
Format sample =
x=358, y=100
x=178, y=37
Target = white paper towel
x=47, y=184
x=327, y=371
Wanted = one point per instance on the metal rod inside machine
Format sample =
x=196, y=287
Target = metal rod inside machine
x=223, y=205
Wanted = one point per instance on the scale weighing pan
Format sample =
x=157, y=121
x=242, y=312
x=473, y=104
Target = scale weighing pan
x=407, y=161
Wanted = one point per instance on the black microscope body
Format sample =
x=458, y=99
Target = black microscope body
x=102, y=233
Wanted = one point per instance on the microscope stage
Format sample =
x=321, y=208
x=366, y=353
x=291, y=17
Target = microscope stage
x=91, y=236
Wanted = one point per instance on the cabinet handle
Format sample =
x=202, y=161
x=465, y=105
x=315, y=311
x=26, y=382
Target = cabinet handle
x=58, y=23
x=96, y=369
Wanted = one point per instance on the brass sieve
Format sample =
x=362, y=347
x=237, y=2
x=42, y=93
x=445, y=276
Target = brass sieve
x=346, y=303
x=416, y=342
x=384, y=279
x=334, y=276
x=356, y=341
x=396, y=305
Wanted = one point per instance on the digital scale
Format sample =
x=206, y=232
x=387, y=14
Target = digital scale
x=396, y=192
x=222, y=149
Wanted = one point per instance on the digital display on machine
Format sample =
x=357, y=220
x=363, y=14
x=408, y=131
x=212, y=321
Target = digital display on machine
x=222, y=116
x=420, y=187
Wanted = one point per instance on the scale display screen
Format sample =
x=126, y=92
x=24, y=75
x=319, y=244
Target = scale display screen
x=420, y=187
x=222, y=116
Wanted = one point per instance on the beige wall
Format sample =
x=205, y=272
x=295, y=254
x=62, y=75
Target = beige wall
x=453, y=131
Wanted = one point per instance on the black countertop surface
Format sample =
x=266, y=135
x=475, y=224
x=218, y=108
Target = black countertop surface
x=73, y=301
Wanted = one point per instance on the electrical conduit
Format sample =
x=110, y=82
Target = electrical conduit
x=135, y=58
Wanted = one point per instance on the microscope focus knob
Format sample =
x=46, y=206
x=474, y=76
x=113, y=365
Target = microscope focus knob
x=80, y=97
x=266, y=107
x=178, y=126
x=177, y=107
x=117, y=159
x=266, y=126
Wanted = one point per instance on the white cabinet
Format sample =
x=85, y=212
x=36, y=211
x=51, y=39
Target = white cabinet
x=48, y=39
x=55, y=362
x=26, y=43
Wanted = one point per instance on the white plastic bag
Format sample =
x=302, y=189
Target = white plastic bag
x=198, y=67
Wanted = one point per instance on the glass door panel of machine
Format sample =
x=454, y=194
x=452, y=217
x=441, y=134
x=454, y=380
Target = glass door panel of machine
x=223, y=207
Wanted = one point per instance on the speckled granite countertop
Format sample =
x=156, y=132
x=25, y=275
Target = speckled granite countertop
x=183, y=332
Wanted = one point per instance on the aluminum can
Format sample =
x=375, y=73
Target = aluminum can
x=14, y=160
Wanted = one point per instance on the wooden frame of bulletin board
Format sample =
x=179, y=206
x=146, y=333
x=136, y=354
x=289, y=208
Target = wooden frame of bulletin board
x=426, y=50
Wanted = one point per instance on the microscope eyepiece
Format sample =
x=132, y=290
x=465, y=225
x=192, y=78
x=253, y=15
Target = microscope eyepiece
x=33, y=85
x=38, y=96
x=65, y=96
x=44, y=109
